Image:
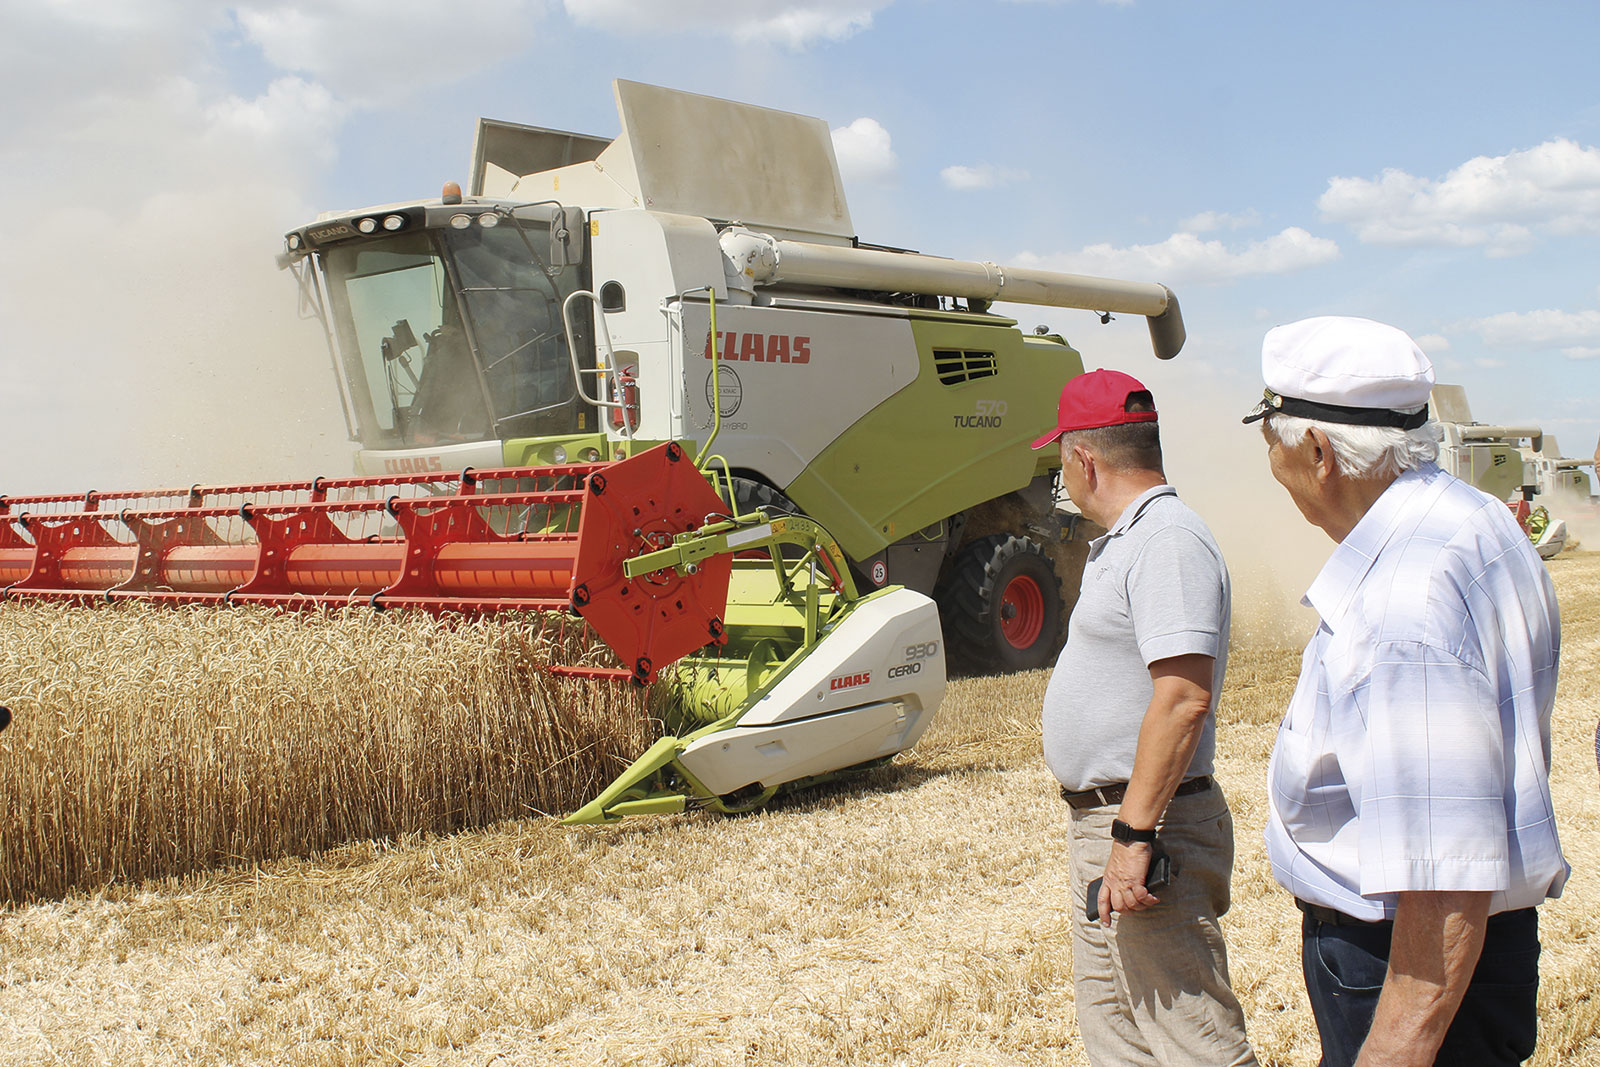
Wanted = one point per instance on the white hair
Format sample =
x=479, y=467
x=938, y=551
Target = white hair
x=1365, y=451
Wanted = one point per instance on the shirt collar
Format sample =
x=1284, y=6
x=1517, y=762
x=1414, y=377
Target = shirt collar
x=1336, y=585
x=1135, y=508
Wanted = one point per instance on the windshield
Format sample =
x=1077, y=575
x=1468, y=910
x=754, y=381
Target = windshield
x=453, y=335
x=514, y=307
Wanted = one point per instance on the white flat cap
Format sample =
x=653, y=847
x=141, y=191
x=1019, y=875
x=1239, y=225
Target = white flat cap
x=1336, y=368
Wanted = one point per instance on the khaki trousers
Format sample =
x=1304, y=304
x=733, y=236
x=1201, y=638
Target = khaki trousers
x=1153, y=989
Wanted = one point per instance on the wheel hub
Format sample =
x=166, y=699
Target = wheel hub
x=1022, y=612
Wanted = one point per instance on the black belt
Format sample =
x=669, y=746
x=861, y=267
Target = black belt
x=1100, y=796
x=1339, y=918
x=1336, y=918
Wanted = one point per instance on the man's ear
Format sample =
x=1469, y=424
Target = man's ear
x=1085, y=457
x=1322, y=457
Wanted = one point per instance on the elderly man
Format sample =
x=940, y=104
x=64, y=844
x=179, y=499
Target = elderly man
x=1129, y=733
x=1409, y=800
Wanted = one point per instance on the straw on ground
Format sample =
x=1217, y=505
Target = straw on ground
x=918, y=916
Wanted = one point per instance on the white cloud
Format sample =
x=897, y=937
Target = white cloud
x=294, y=117
x=794, y=24
x=1581, y=352
x=1432, y=343
x=371, y=50
x=864, y=151
x=64, y=64
x=1185, y=257
x=1500, y=203
x=983, y=176
x=1207, y=221
x=1546, y=328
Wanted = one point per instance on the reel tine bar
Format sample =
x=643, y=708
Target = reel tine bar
x=290, y=543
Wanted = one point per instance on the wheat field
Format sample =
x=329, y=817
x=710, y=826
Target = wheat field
x=918, y=915
x=151, y=741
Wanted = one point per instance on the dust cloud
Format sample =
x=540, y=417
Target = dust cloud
x=163, y=348
x=1220, y=469
x=149, y=337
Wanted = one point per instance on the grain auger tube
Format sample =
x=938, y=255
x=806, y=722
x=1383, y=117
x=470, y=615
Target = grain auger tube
x=780, y=671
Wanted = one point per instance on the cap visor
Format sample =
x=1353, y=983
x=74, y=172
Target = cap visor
x=1053, y=435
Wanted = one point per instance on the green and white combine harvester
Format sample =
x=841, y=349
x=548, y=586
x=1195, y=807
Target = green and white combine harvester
x=657, y=381
x=1520, y=464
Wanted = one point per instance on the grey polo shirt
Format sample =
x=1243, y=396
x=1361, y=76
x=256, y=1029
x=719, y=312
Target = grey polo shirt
x=1155, y=586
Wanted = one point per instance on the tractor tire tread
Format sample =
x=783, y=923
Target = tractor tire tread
x=969, y=599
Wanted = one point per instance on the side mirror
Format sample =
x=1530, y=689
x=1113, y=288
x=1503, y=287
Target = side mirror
x=566, y=237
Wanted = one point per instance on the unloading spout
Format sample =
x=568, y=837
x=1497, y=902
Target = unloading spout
x=760, y=259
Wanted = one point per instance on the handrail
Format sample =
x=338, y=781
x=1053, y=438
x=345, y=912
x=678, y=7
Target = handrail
x=716, y=382
x=607, y=367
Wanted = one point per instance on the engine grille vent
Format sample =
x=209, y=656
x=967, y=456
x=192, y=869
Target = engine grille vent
x=954, y=366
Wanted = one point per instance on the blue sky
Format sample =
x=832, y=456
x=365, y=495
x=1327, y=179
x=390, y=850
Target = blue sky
x=1434, y=166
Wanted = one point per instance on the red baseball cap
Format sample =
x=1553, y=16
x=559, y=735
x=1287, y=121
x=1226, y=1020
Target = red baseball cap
x=1098, y=398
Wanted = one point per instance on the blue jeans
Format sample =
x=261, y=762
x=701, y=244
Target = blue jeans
x=1497, y=1023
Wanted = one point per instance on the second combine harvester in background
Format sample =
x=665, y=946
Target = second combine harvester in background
x=562, y=311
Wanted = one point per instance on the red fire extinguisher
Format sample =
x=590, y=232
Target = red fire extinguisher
x=628, y=386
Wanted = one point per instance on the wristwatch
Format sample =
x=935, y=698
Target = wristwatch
x=1121, y=831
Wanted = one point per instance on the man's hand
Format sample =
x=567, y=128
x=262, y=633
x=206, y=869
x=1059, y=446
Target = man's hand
x=1437, y=940
x=1123, y=888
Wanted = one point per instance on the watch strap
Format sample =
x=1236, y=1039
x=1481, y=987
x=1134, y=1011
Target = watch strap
x=1121, y=831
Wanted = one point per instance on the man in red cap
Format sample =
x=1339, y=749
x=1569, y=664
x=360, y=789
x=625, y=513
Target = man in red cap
x=1129, y=732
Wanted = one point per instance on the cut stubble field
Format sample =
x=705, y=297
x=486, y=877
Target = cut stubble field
x=917, y=915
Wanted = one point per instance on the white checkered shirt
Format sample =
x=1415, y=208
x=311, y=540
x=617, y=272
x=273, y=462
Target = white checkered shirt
x=1415, y=754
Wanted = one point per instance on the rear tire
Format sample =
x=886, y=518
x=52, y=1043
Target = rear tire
x=1001, y=606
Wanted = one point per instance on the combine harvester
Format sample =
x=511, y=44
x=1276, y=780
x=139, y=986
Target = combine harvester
x=686, y=404
x=1513, y=463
